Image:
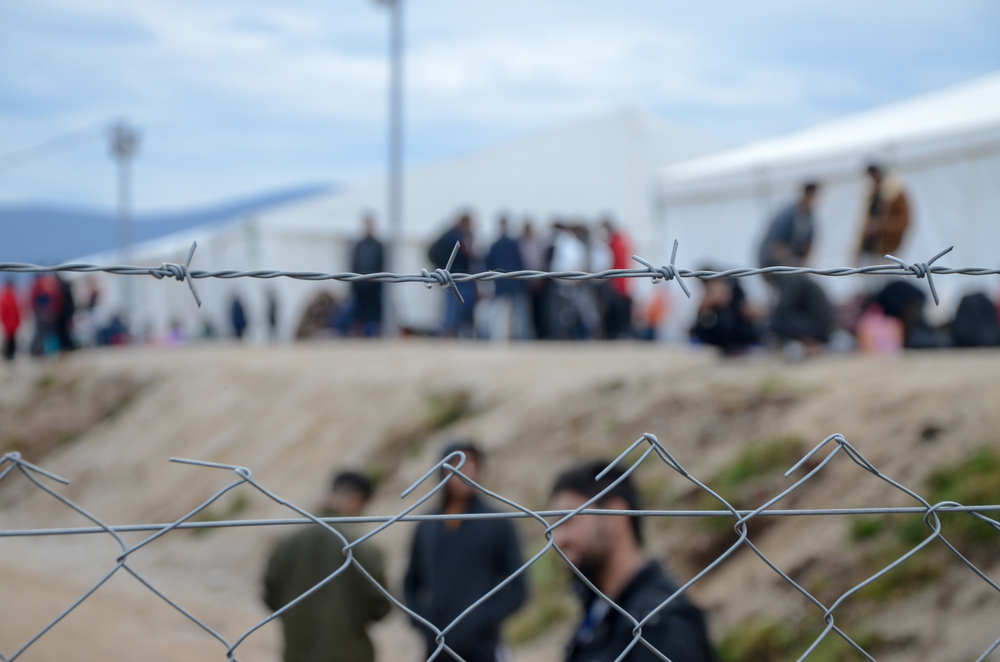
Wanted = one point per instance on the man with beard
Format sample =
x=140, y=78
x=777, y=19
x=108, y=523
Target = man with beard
x=607, y=550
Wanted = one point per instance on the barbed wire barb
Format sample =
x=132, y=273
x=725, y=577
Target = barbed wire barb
x=921, y=269
x=180, y=272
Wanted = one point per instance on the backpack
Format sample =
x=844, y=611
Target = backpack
x=976, y=323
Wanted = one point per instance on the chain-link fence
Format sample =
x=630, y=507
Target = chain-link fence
x=647, y=448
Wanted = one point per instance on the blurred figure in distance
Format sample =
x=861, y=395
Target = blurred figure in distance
x=331, y=624
x=618, y=313
x=238, y=317
x=725, y=318
x=458, y=319
x=803, y=313
x=887, y=216
x=535, y=254
x=511, y=318
x=368, y=257
x=10, y=318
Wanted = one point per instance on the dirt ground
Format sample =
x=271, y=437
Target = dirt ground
x=109, y=421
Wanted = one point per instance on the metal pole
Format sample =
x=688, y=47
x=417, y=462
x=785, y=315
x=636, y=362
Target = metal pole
x=395, y=174
x=124, y=141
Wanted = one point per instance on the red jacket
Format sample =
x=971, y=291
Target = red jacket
x=10, y=310
x=621, y=249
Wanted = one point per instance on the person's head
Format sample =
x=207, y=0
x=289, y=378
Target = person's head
x=472, y=469
x=608, y=224
x=590, y=541
x=809, y=192
x=874, y=171
x=368, y=224
x=464, y=221
x=502, y=225
x=528, y=229
x=349, y=493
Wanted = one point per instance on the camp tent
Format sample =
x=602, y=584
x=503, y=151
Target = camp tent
x=946, y=146
x=606, y=165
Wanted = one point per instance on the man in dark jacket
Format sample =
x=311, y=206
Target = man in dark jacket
x=454, y=563
x=457, y=318
x=510, y=302
x=607, y=550
x=329, y=625
x=367, y=258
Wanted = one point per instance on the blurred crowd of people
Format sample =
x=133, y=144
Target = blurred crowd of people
x=503, y=309
x=800, y=320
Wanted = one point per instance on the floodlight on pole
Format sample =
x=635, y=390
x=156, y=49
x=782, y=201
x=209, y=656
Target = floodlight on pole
x=124, y=141
x=394, y=183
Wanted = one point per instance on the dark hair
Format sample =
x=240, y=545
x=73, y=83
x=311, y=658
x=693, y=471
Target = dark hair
x=810, y=187
x=467, y=446
x=582, y=479
x=352, y=481
x=874, y=168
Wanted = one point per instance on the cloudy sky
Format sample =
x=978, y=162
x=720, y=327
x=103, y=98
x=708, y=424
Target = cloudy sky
x=235, y=97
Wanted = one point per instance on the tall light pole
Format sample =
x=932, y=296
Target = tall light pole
x=124, y=141
x=394, y=201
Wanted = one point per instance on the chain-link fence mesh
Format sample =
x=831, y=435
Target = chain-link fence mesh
x=647, y=448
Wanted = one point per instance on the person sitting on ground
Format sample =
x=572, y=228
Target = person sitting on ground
x=607, y=551
x=331, y=624
x=725, y=318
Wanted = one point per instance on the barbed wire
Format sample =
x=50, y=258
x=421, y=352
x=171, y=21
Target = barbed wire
x=449, y=468
x=445, y=278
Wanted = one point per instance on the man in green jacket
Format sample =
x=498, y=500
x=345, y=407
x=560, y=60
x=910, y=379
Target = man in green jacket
x=329, y=625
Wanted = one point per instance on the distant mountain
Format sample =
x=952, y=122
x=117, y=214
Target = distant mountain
x=42, y=234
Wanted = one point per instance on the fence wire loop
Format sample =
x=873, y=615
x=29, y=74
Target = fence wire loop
x=179, y=271
x=444, y=277
x=922, y=269
x=669, y=272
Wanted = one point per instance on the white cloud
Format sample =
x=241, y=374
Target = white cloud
x=237, y=95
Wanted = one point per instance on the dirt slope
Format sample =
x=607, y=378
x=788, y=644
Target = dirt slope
x=292, y=414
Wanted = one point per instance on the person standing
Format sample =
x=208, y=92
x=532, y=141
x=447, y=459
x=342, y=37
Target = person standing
x=10, y=318
x=618, y=313
x=331, y=624
x=453, y=563
x=803, y=312
x=368, y=258
x=458, y=319
x=510, y=304
x=607, y=550
x=535, y=255
x=887, y=216
x=238, y=317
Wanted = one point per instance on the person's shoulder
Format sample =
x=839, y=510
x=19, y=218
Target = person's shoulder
x=653, y=587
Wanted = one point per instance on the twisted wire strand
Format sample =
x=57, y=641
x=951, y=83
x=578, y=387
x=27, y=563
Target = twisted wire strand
x=448, y=280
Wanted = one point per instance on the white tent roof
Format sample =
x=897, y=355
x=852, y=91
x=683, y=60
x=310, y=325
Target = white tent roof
x=957, y=118
x=606, y=164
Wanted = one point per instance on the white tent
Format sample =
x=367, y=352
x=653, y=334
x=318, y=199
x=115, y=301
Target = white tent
x=946, y=146
x=607, y=165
